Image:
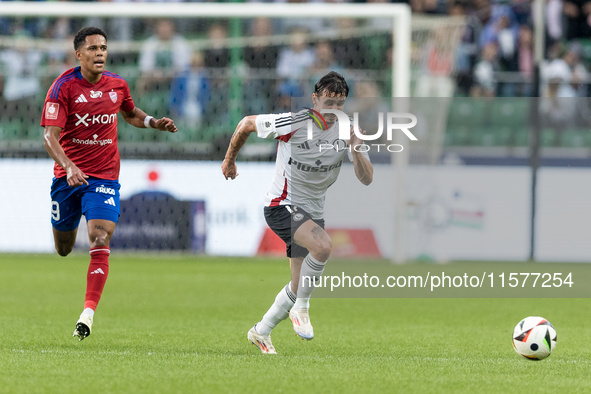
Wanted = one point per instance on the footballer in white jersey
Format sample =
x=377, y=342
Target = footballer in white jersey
x=305, y=167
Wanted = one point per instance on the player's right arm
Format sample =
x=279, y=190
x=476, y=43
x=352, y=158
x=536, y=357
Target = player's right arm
x=246, y=126
x=75, y=176
x=277, y=126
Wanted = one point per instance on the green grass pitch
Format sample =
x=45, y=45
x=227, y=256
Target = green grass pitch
x=178, y=324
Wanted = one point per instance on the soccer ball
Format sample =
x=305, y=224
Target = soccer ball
x=534, y=338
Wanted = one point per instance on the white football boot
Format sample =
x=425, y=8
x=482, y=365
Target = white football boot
x=301, y=323
x=83, y=327
x=263, y=342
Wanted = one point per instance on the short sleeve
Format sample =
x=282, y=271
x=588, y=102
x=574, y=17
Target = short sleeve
x=55, y=108
x=127, y=105
x=280, y=125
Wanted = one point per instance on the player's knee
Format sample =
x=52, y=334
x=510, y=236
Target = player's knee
x=99, y=240
x=99, y=237
x=323, y=248
x=63, y=250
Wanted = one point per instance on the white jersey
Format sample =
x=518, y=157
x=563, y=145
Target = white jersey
x=304, y=167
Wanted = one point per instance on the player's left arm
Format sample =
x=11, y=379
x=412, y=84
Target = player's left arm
x=136, y=117
x=361, y=163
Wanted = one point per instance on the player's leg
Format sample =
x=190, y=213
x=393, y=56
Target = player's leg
x=66, y=212
x=99, y=234
x=260, y=334
x=284, y=300
x=64, y=241
x=312, y=237
x=295, y=266
x=279, y=220
x=100, y=205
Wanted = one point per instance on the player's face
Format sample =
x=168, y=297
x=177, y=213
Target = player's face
x=93, y=55
x=329, y=101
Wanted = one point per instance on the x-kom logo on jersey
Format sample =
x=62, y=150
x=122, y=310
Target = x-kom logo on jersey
x=82, y=119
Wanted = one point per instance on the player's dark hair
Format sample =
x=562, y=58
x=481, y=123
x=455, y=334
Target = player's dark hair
x=80, y=37
x=333, y=82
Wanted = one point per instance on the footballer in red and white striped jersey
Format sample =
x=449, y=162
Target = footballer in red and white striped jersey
x=303, y=171
x=87, y=114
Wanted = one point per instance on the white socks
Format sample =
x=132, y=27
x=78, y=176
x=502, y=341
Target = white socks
x=278, y=311
x=310, y=273
x=88, y=311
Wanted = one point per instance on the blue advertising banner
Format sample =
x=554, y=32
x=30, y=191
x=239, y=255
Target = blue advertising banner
x=156, y=220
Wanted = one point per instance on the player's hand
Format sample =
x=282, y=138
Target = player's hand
x=166, y=124
x=76, y=177
x=354, y=140
x=229, y=169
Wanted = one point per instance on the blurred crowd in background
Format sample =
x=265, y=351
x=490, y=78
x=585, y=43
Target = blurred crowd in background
x=197, y=67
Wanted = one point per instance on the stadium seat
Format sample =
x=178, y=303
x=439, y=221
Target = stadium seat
x=510, y=112
x=576, y=138
x=493, y=136
x=548, y=137
x=31, y=131
x=466, y=112
x=464, y=136
x=519, y=137
x=155, y=103
x=11, y=130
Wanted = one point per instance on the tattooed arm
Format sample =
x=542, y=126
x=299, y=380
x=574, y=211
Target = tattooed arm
x=246, y=126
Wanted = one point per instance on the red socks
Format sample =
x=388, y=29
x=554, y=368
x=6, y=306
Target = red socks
x=98, y=270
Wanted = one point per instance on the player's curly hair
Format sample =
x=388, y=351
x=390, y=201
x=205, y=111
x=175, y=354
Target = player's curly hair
x=80, y=37
x=332, y=83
